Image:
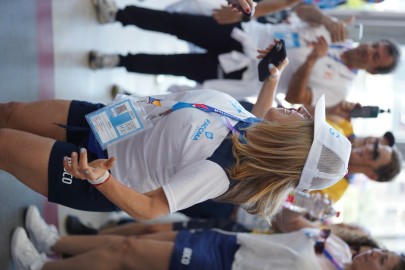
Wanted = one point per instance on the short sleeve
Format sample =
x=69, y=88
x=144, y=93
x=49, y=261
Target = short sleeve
x=196, y=183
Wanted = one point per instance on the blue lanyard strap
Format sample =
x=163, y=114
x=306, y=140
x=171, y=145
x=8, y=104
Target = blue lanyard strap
x=325, y=3
x=208, y=109
x=332, y=260
x=320, y=238
x=337, y=59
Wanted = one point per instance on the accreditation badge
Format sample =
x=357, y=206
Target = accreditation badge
x=118, y=121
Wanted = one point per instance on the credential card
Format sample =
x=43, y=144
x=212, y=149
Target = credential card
x=116, y=122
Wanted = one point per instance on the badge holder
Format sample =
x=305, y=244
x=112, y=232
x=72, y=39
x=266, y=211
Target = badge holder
x=118, y=121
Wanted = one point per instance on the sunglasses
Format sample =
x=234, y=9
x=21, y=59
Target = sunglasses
x=320, y=243
x=376, y=150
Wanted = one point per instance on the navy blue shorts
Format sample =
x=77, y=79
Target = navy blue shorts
x=209, y=223
x=62, y=187
x=203, y=250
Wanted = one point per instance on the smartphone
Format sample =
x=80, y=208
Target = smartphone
x=365, y=111
x=275, y=56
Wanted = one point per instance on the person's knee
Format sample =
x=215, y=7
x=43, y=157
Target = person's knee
x=125, y=250
x=122, y=246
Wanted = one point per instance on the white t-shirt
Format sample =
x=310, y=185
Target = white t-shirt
x=329, y=75
x=292, y=251
x=173, y=153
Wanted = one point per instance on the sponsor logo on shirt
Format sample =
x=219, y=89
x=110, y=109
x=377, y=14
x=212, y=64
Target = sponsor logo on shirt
x=209, y=135
x=200, y=130
x=186, y=257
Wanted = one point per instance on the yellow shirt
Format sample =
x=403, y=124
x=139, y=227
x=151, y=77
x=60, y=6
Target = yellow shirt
x=354, y=4
x=336, y=191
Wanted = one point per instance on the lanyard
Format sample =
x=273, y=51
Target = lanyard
x=182, y=105
x=337, y=59
x=332, y=260
x=321, y=239
x=325, y=3
x=174, y=106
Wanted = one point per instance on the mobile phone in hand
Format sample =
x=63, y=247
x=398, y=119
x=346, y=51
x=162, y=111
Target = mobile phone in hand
x=275, y=56
x=365, y=111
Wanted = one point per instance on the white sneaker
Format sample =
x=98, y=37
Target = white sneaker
x=43, y=235
x=106, y=10
x=101, y=60
x=24, y=254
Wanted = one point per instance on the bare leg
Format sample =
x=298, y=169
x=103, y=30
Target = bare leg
x=161, y=236
x=74, y=245
x=36, y=117
x=120, y=253
x=137, y=229
x=26, y=155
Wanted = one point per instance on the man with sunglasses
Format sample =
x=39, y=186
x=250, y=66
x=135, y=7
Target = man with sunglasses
x=375, y=157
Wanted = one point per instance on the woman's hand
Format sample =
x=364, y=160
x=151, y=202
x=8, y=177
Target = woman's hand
x=274, y=71
x=266, y=96
x=337, y=28
x=342, y=109
x=81, y=169
x=345, y=107
x=245, y=6
x=319, y=48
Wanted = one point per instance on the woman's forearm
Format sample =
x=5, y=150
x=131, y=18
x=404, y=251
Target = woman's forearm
x=266, y=97
x=298, y=90
x=139, y=205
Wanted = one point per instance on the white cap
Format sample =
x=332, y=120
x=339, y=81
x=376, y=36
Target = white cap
x=328, y=156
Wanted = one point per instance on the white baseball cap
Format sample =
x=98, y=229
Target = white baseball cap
x=328, y=157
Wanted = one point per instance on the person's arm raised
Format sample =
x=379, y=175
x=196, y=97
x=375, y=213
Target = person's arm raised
x=315, y=16
x=298, y=90
x=139, y=205
x=228, y=15
x=266, y=96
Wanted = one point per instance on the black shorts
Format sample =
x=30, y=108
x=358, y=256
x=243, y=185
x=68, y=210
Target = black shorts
x=62, y=187
x=203, y=250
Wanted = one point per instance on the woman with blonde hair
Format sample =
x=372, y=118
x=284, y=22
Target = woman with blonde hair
x=205, y=146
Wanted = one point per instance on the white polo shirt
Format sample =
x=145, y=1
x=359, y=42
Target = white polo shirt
x=329, y=75
x=173, y=154
x=292, y=251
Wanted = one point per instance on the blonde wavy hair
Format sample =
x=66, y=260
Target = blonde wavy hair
x=268, y=166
